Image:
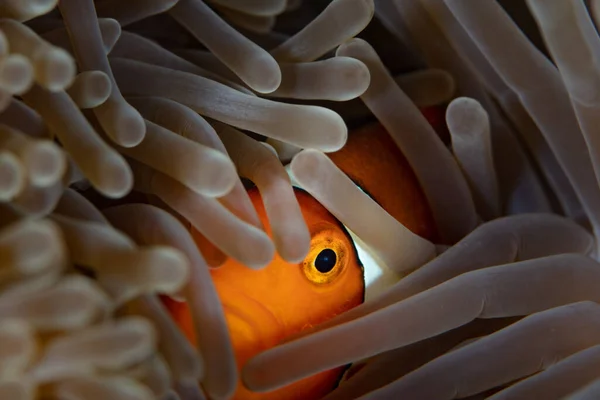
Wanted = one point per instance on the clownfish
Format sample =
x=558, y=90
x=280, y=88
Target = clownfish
x=264, y=307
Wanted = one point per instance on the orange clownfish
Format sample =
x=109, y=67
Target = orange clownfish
x=265, y=307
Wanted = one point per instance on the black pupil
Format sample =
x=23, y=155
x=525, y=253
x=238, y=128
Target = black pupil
x=325, y=261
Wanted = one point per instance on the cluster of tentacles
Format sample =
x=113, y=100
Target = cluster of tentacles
x=126, y=123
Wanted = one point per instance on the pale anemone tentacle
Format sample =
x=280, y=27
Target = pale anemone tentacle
x=121, y=122
x=182, y=120
x=589, y=392
x=444, y=187
x=15, y=359
x=110, y=30
x=67, y=305
x=30, y=248
x=154, y=374
x=337, y=79
x=558, y=332
x=75, y=205
x=251, y=63
x=44, y=162
x=90, y=89
x=388, y=14
x=558, y=380
x=16, y=74
x=305, y=126
x=26, y=10
x=467, y=297
x=153, y=226
x=98, y=388
x=36, y=201
x=520, y=189
x=104, y=167
x=376, y=372
x=23, y=118
x=573, y=42
x=340, y=21
x=469, y=128
x=501, y=241
x=128, y=12
x=54, y=68
x=124, y=270
x=259, y=24
x=184, y=362
x=427, y=87
x=510, y=104
x=233, y=236
x=260, y=165
x=204, y=170
x=138, y=48
x=536, y=81
x=13, y=176
x=213, y=66
x=81, y=352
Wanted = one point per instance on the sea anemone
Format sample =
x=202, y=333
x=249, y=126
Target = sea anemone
x=130, y=131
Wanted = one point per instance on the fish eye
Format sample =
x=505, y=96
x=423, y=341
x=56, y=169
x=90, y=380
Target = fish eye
x=326, y=258
x=325, y=261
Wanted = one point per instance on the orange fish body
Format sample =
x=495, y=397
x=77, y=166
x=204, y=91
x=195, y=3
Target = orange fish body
x=265, y=307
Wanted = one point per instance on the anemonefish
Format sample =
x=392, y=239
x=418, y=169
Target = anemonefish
x=265, y=307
